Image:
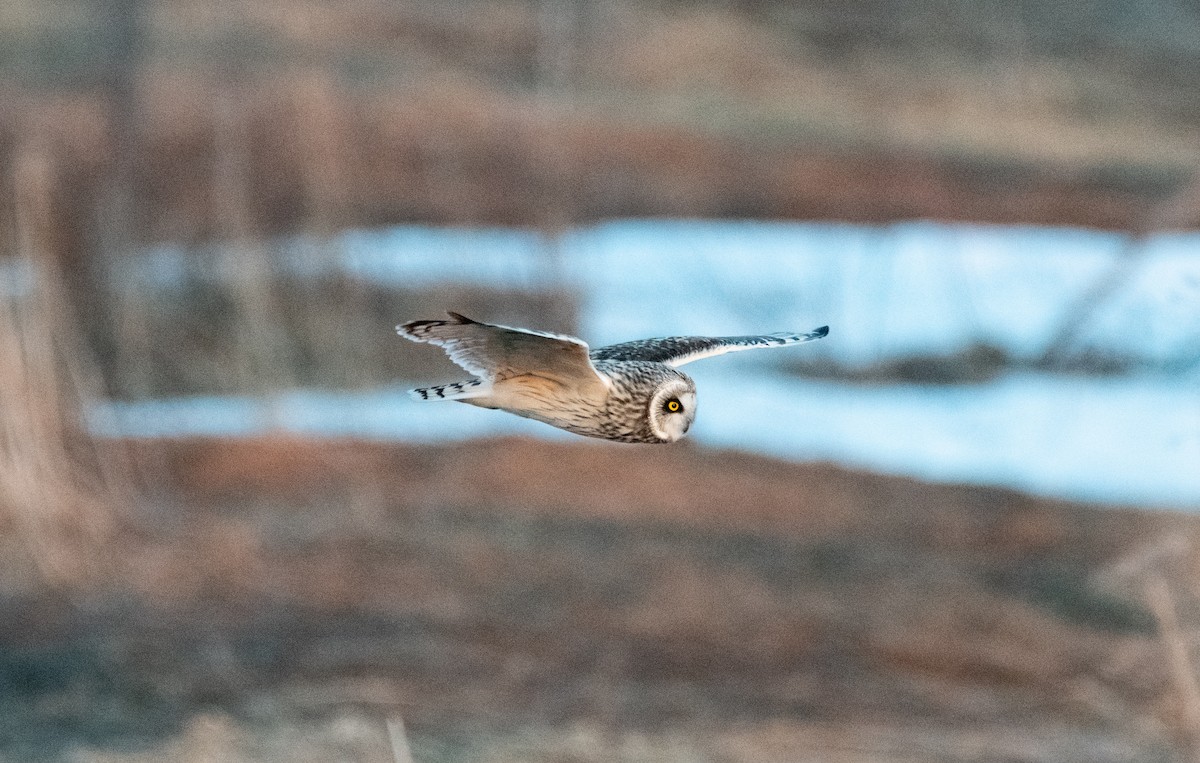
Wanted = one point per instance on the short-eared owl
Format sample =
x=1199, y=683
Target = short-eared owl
x=629, y=392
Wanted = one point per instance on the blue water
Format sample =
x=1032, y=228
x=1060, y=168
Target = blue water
x=1110, y=441
x=885, y=292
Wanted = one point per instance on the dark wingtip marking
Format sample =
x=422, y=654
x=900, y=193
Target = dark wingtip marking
x=823, y=331
x=416, y=328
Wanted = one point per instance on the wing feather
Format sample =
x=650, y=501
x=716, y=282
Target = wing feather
x=495, y=352
x=678, y=350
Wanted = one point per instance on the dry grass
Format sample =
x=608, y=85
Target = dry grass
x=606, y=604
x=462, y=150
x=214, y=736
x=1163, y=573
x=716, y=607
x=401, y=112
x=352, y=736
x=59, y=493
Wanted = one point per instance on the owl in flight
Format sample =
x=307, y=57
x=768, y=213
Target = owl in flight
x=629, y=392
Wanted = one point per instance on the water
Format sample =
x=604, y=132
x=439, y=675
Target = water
x=885, y=292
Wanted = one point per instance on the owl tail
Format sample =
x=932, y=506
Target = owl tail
x=463, y=390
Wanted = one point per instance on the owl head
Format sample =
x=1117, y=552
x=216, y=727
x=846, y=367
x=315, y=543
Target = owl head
x=672, y=408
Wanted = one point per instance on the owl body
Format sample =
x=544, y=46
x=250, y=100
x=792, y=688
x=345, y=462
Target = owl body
x=624, y=411
x=628, y=392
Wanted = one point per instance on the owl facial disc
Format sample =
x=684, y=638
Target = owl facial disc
x=672, y=410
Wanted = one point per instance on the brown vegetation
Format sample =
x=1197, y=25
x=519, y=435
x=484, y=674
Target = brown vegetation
x=464, y=154
x=385, y=112
x=59, y=494
x=282, y=598
x=516, y=600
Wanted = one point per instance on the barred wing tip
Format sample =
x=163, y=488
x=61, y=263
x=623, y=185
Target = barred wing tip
x=408, y=330
x=791, y=337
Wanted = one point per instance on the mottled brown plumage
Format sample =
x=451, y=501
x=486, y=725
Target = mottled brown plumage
x=629, y=392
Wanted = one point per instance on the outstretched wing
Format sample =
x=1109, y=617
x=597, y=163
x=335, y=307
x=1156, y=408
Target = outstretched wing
x=677, y=350
x=500, y=352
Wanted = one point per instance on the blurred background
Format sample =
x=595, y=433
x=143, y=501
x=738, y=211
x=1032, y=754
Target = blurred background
x=959, y=528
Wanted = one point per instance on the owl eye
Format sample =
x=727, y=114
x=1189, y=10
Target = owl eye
x=673, y=406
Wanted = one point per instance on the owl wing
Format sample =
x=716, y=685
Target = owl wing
x=494, y=352
x=677, y=350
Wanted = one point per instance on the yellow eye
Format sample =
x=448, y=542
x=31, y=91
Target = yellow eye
x=673, y=406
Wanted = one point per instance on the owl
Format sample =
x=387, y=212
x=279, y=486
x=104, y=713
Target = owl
x=628, y=392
